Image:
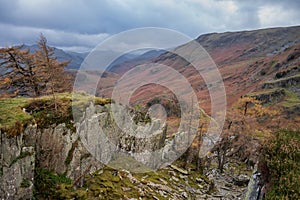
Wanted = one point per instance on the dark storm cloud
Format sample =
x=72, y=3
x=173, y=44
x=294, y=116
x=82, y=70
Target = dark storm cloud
x=81, y=24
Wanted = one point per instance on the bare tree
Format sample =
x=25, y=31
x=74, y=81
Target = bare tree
x=52, y=71
x=245, y=120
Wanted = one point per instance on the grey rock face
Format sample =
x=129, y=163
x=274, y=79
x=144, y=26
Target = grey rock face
x=55, y=148
x=254, y=190
x=60, y=150
x=109, y=134
x=274, y=96
x=17, y=169
x=283, y=82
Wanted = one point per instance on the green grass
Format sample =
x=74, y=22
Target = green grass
x=283, y=79
x=291, y=100
x=47, y=183
x=13, y=119
x=109, y=183
x=266, y=91
x=11, y=111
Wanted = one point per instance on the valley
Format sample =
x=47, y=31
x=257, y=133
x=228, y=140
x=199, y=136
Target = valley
x=51, y=146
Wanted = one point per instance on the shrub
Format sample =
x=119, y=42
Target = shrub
x=47, y=184
x=282, y=156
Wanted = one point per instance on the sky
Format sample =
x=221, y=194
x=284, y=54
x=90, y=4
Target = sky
x=79, y=25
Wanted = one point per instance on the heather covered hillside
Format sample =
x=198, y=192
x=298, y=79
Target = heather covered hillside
x=262, y=89
x=138, y=100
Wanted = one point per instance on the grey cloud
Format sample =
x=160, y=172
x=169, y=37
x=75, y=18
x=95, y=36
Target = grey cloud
x=29, y=35
x=80, y=23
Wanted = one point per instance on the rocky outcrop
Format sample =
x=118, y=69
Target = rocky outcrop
x=17, y=169
x=254, y=190
x=283, y=82
x=273, y=96
x=110, y=135
x=56, y=149
x=62, y=151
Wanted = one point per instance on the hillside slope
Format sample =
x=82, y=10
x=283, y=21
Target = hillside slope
x=246, y=60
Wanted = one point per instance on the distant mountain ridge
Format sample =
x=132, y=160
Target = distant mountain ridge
x=242, y=45
x=75, y=58
x=263, y=63
x=126, y=62
x=249, y=61
x=246, y=60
